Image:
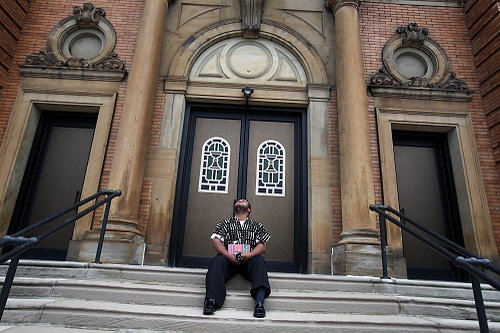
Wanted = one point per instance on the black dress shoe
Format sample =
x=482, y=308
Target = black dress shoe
x=259, y=311
x=209, y=307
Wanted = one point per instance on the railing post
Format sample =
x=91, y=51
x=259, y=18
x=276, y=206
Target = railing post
x=478, y=298
x=103, y=230
x=7, y=284
x=381, y=220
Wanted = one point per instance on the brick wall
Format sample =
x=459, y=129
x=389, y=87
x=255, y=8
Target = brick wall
x=12, y=16
x=447, y=26
x=42, y=16
x=483, y=20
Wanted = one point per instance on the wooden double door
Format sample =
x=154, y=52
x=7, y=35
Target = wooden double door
x=231, y=153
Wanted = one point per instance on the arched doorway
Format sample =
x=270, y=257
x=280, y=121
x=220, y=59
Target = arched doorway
x=287, y=76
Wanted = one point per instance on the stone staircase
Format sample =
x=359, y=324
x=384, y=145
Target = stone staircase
x=114, y=297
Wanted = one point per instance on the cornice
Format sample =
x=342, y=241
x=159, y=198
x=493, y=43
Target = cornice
x=337, y=4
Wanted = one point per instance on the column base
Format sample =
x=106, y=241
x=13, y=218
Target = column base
x=358, y=253
x=118, y=247
x=156, y=254
x=365, y=259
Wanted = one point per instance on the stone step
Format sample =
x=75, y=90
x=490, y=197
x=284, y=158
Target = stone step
x=47, y=328
x=291, y=300
x=106, y=315
x=196, y=278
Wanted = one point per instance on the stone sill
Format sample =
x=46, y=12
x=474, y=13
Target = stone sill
x=73, y=73
x=421, y=93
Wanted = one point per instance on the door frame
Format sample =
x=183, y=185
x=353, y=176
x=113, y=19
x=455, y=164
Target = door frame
x=36, y=159
x=194, y=110
x=452, y=119
x=446, y=183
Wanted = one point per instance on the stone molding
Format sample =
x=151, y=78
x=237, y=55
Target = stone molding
x=251, y=16
x=51, y=57
x=207, y=36
x=443, y=83
x=337, y=4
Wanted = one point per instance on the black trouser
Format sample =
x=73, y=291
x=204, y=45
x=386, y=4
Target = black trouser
x=220, y=271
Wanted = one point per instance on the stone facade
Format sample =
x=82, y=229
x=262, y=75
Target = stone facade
x=338, y=48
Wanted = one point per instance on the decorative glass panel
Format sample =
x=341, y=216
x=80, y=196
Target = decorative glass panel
x=214, y=170
x=270, y=169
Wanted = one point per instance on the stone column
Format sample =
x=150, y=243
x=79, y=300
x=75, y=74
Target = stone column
x=357, y=251
x=123, y=243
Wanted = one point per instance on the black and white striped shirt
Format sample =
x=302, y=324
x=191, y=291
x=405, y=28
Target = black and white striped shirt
x=250, y=232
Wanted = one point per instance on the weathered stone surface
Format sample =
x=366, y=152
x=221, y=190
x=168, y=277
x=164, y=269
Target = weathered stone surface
x=111, y=296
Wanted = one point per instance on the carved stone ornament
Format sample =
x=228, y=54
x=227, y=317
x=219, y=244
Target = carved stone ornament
x=88, y=14
x=451, y=82
x=414, y=41
x=111, y=62
x=43, y=58
x=251, y=16
x=414, y=34
x=86, y=20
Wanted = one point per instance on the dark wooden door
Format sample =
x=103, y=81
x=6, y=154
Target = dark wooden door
x=241, y=153
x=54, y=177
x=427, y=195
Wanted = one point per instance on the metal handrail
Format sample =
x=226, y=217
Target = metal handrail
x=22, y=244
x=464, y=259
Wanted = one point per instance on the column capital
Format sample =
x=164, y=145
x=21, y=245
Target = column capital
x=337, y=4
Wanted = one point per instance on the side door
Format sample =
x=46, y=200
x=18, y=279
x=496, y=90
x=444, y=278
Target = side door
x=54, y=177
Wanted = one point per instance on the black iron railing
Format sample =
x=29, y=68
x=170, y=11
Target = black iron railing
x=459, y=256
x=19, y=243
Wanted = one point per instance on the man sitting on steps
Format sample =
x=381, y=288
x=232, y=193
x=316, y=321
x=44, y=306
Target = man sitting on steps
x=242, y=230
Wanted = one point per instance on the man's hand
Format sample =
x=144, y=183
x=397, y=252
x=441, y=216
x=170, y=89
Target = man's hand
x=258, y=250
x=221, y=249
x=232, y=259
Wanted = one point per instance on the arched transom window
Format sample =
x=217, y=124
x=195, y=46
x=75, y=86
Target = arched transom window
x=214, y=170
x=270, y=169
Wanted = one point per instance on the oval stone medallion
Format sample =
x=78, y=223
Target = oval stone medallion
x=249, y=59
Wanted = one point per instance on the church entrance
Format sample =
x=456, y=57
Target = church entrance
x=241, y=152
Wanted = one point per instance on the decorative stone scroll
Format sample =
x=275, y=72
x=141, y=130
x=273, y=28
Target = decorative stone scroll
x=413, y=33
x=251, y=16
x=88, y=14
x=43, y=58
x=412, y=47
x=84, y=40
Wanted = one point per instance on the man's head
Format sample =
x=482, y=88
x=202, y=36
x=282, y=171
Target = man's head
x=242, y=206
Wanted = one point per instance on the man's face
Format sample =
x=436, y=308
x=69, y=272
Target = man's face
x=241, y=206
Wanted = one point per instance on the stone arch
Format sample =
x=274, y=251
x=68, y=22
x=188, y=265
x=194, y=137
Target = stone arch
x=195, y=45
